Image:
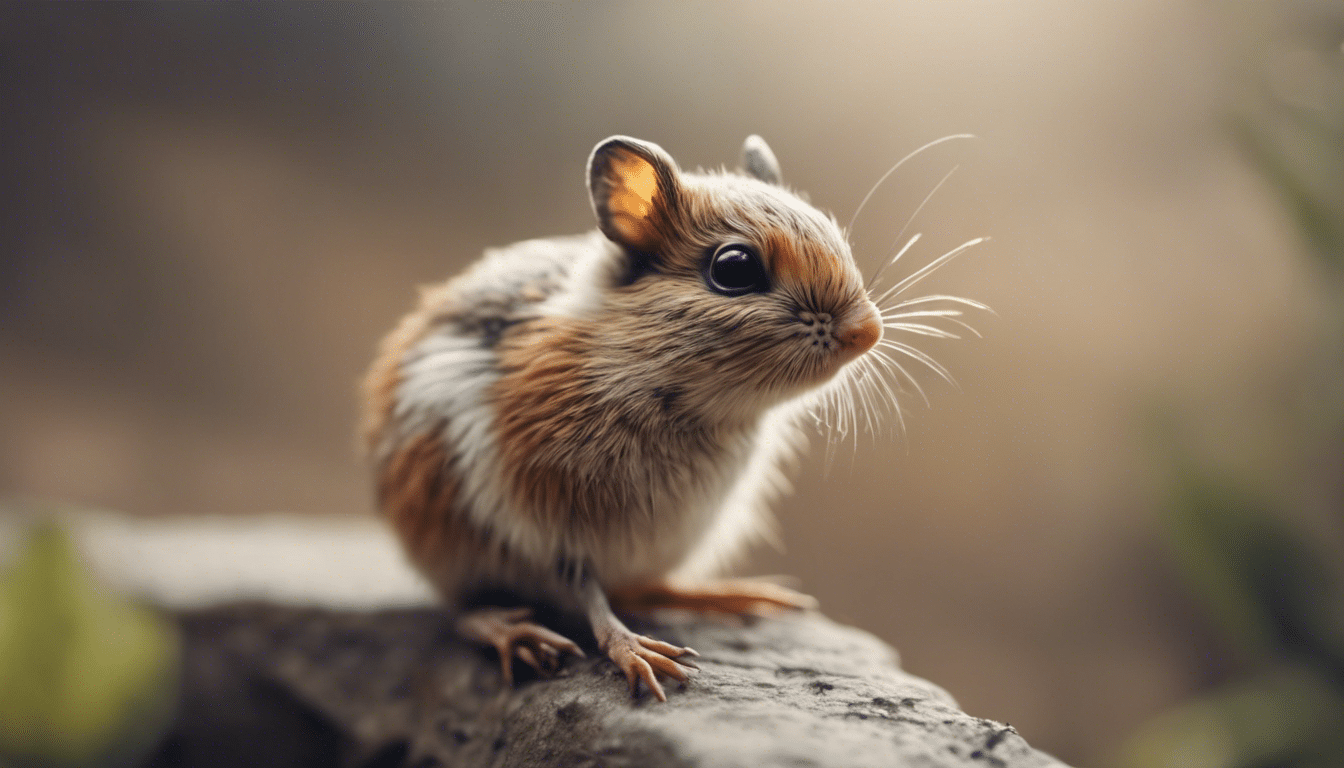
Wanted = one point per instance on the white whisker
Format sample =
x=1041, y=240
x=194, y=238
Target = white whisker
x=941, y=297
x=923, y=313
x=859, y=397
x=880, y=395
x=892, y=401
x=969, y=328
x=892, y=170
x=913, y=239
x=900, y=370
x=910, y=351
x=910, y=221
x=923, y=330
x=924, y=271
x=948, y=315
x=861, y=394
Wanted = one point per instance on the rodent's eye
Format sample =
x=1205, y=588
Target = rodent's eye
x=735, y=269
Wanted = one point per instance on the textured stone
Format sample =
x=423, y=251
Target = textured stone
x=269, y=685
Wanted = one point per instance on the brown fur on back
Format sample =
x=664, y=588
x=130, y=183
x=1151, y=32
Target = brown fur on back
x=379, y=387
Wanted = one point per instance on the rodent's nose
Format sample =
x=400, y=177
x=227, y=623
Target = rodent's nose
x=861, y=329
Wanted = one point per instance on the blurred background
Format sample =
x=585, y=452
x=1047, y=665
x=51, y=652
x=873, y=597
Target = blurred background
x=211, y=213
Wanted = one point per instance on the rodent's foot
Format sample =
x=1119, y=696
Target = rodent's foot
x=513, y=636
x=641, y=658
x=750, y=597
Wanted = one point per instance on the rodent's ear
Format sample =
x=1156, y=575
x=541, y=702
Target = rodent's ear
x=634, y=186
x=758, y=161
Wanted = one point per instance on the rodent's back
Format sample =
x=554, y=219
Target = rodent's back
x=501, y=289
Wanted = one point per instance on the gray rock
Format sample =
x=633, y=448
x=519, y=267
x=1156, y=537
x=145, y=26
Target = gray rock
x=270, y=685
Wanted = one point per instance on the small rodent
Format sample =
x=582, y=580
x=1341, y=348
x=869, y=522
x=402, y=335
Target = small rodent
x=598, y=420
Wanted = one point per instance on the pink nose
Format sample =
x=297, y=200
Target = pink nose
x=860, y=330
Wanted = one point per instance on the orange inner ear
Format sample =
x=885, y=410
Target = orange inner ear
x=634, y=187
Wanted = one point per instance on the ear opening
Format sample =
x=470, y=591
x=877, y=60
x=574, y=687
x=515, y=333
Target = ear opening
x=634, y=188
x=759, y=162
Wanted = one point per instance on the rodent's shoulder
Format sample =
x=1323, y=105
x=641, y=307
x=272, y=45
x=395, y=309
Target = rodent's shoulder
x=507, y=284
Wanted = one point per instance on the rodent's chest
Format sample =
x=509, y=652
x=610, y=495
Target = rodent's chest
x=620, y=485
x=574, y=443
x=633, y=506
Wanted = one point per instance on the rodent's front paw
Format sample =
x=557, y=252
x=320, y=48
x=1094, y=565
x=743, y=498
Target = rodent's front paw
x=641, y=658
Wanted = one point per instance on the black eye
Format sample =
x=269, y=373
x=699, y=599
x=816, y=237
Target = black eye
x=736, y=269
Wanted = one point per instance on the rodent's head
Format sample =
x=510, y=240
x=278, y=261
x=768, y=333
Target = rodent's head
x=729, y=281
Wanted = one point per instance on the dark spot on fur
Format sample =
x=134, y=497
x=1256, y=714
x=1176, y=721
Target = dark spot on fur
x=668, y=396
x=489, y=325
x=569, y=570
x=492, y=329
x=569, y=712
x=637, y=265
x=822, y=687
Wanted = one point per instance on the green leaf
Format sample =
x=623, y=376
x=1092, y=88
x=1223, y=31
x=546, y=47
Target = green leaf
x=86, y=677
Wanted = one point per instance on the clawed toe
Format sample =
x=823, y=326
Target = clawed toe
x=643, y=658
x=514, y=637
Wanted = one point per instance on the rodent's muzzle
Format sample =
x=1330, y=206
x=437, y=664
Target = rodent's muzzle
x=858, y=331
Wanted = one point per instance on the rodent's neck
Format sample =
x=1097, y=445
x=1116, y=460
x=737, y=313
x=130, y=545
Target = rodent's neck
x=667, y=385
x=592, y=371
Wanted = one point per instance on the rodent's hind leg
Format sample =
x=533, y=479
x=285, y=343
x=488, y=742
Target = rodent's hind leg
x=749, y=597
x=640, y=657
x=513, y=636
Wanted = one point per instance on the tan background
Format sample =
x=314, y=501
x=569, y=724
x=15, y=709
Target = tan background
x=210, y=214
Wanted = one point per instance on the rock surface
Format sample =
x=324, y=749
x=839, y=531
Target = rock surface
x=269, y=685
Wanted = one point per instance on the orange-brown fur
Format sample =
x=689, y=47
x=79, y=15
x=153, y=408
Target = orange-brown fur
x=417, y=491
x=574, y=460
x=539, y=390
